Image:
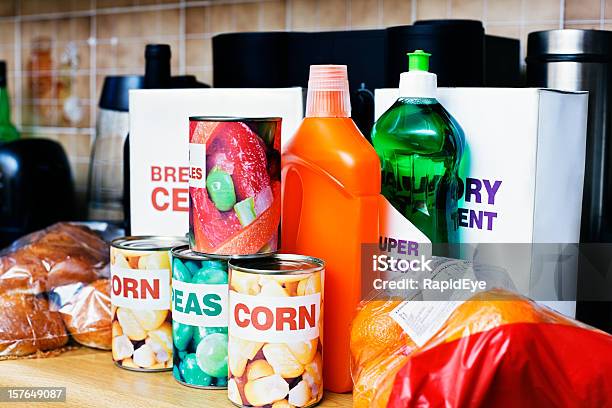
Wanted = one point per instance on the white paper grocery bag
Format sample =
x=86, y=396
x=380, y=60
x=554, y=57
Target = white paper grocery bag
x=159, y=145
x=522, y=174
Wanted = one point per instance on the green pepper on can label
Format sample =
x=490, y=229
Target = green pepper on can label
x=220, y=188
x=199, y=320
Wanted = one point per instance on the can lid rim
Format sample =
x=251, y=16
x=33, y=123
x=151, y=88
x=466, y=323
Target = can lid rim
x=242, y=264
x=166, y=242
x=232, y=119
x=185, y=251
x=227, y=257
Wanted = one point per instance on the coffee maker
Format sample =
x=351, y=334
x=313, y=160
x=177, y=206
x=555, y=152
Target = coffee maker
x=36, y=187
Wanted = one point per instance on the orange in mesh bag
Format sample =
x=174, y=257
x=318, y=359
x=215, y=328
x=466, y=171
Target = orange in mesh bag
x=379, y=348
x=375, y=368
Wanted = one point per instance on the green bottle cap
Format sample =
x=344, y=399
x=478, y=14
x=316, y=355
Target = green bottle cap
x=418, y=60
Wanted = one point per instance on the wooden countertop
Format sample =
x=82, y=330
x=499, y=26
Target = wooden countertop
x=92, y=380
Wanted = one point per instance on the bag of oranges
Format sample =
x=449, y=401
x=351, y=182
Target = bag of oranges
x=379, y=348
x=495, y=349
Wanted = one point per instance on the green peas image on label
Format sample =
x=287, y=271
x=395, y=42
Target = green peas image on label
x=192, y=373
x=181, y=335
x=220, y=187
x=211, y=355
x=180, y=271
x=210, y=276
x=200, y=332
x=214, y=264
x=204, y=361
x=211, y=330
x=193, y=266
x=176, y=372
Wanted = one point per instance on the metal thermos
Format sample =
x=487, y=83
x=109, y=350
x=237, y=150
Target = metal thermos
x=580, y=60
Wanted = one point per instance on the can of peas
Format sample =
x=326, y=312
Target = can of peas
x=275, y=331
x=199, y=319
x=234, y=185
x=140, y=302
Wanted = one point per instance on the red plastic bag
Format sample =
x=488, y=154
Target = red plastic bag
x=514, y=365
x=497, y=349
x=500, y=349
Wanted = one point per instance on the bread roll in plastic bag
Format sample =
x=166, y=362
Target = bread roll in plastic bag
x=497, y=349
x=54, y=283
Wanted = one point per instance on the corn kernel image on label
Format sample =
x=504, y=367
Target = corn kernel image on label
x=140, y=302
x=199, y=319
x=275, y=331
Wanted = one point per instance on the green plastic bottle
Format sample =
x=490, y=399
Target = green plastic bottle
x=8, y=131
x=420, y=147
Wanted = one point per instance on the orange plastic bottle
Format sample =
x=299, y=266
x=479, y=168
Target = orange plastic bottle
x=331, y=184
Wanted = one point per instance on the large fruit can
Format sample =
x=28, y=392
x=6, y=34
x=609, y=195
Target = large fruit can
x=275, y=331
x=199, y=319
x=140, y=302
x=234, y=185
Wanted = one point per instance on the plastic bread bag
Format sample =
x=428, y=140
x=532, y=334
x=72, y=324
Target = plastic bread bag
x=54, y=283
x=87, y=314
x=28, y=326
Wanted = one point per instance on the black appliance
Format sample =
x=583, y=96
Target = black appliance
x=186, y=81
x=116, y=90
x=462, y=56
x=36, y=187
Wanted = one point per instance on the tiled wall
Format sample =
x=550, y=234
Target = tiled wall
x=58, y=51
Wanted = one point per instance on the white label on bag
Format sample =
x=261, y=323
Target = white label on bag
x=199, y=304
x=197, y=165
x=140, y=289
x=422, y=319
x=274, y=319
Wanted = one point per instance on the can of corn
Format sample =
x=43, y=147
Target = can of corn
x=140, y=302
x=275, y=331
